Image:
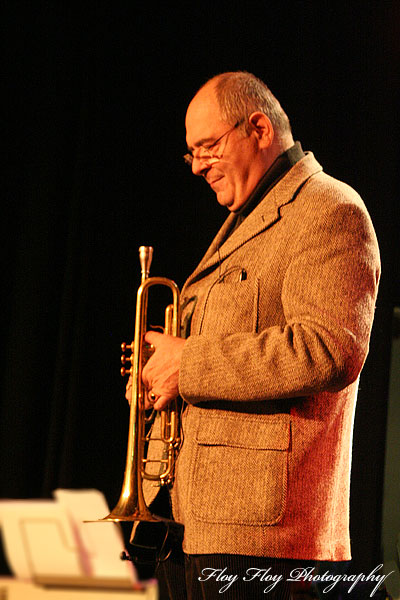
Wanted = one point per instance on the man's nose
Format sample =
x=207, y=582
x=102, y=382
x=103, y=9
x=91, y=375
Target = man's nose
x=199, y=165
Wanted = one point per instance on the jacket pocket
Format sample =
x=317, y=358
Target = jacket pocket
x=240, y=469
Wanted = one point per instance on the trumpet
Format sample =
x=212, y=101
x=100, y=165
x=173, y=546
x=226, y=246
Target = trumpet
x=132, y=505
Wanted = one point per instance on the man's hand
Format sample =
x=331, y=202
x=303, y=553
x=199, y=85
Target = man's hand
x=160, y=375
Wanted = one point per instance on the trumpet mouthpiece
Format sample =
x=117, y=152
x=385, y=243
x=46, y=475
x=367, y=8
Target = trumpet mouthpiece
x=145, y=257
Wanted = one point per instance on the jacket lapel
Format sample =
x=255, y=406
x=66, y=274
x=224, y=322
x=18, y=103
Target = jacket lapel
x=262, y=217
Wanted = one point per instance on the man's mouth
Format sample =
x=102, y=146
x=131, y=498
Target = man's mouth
x=214, y=181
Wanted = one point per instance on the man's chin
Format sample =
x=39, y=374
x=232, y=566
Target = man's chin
x=224, y=200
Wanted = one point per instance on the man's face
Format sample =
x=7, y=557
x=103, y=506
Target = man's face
x=236, y=172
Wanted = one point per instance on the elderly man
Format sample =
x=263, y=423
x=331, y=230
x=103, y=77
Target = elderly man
x=278, y=317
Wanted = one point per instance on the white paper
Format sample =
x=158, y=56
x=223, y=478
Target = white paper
x=102, y=542
x=50, y=538
x=37, y=534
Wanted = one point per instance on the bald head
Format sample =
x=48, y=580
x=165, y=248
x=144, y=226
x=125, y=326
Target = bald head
x=239, y=93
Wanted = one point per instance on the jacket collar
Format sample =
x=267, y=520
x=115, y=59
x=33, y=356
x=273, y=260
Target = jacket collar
x=265, y=214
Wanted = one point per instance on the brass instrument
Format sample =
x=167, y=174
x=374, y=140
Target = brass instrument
x=131, y=505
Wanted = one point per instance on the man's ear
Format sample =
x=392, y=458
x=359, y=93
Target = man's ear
x=263, y=128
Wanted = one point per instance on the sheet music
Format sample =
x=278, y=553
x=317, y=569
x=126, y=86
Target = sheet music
x=45, y=538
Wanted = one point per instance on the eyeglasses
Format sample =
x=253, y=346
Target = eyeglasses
x=208, y=151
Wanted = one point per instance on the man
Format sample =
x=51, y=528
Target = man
x=278, y=316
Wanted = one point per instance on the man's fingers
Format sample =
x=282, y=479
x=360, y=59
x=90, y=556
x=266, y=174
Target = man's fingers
x=128, y=389
x=161, y=403
x=152, y=337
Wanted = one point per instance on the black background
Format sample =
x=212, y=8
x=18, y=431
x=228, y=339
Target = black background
x=94, y=134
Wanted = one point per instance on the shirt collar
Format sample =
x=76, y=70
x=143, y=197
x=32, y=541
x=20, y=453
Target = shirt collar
x=281, y=165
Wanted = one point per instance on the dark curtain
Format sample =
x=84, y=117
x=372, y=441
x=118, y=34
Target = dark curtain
x=94, y=128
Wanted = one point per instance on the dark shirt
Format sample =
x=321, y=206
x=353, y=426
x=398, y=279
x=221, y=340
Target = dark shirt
x=281, y=165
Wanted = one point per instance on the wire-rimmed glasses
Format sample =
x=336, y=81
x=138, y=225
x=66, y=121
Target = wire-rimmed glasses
x=208, y=151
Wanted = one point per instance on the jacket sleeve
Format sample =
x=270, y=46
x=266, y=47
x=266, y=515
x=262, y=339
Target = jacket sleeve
x=328, y=298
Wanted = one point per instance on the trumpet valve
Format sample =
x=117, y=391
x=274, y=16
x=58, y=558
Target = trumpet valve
x=125, y=346
x=126, y=359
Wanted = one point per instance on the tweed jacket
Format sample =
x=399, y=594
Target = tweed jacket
x=281, y=312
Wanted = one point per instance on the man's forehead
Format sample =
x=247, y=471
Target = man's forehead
x=202, y=118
